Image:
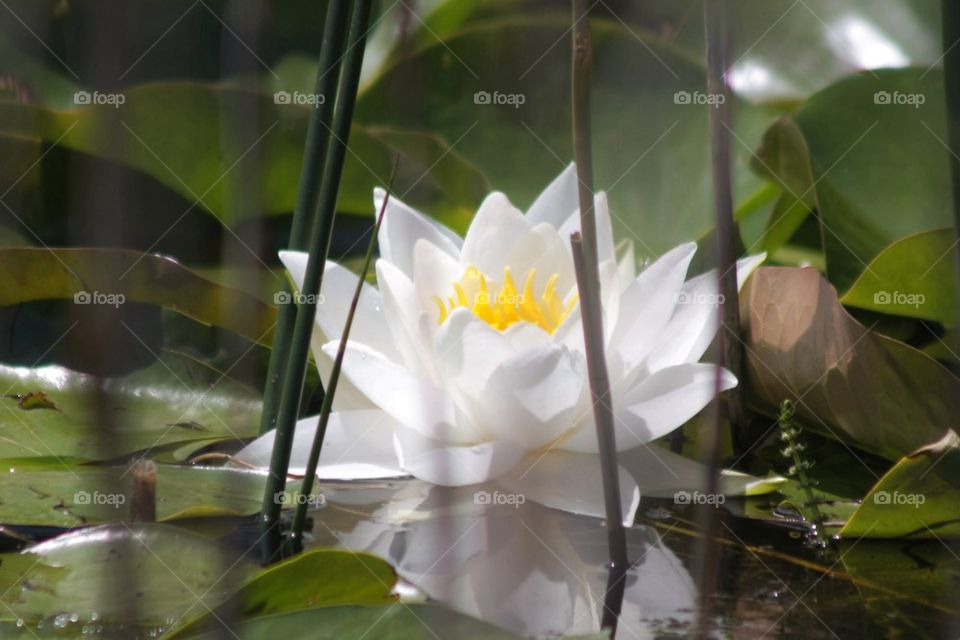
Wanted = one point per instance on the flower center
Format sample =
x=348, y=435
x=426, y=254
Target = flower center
x=507, y=306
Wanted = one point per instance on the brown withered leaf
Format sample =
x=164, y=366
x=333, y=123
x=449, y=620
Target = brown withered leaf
x=801, y=343
x=34, y=400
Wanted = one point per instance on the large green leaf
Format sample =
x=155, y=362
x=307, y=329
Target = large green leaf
x=314, y=578
x=175, y=400
x=919, y=497
x=396, y=622
x=83, y=573
x=802, y=345
x=174, y=132
x=114, y=276
x=649, y=151
x=56, y=496
x=912, y=277
x=875, y=151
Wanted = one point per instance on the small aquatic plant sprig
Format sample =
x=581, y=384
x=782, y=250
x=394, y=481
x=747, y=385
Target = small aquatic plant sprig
x=790, y=433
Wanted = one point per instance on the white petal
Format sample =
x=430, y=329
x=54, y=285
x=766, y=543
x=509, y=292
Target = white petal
x=410, y=399
x=557, y=201
x=434, y=273
x=406, y=322
x=648, y=303
x=695, y=319
x=337, y=292
x=403, y=226
x=543, y=249
x=627, y=265
x=524, y=335
x=454, y=466
x=571, y=482
x=533, y=397
x=656, y=406
x=358, y=445
x=493, y=232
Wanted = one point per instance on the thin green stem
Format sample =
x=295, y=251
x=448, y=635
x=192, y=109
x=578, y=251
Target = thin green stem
x=326, y=409
x=319, y=243
x=314, y=154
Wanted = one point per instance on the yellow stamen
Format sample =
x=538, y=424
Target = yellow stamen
x=505, y=307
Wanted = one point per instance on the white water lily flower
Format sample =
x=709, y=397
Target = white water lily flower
x=472, y=348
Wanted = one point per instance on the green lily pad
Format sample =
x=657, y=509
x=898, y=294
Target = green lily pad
x=315, y=578
x=873, y=146
x=396, y=622
x=57, y=496
x=913, y=277
x=174, y=401
x=114, y=277
x=175, y=573
x=172, y=132
x=918, y=498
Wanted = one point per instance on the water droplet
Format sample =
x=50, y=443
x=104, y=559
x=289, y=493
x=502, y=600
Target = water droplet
x=363, y=356
x=376, y=307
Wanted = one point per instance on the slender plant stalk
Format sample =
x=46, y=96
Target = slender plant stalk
x=327, y=407
x=790, y=434
x=582, y=136
x=314, y=154
x=951, y=71
x=715, y=12
x=592, y=318
x=586, y=263
x=319, y=243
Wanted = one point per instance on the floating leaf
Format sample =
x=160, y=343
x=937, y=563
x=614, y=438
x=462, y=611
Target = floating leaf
x=142, y=405
x=802, y=345
x=314, y=578
x=54, y=495
x=918, y=498
x=115, y=276
x=176, y=573
x=873, y=146
x=912, y=277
